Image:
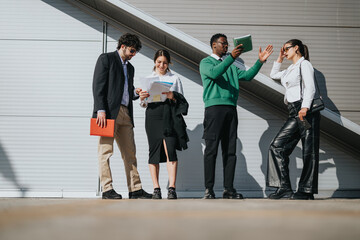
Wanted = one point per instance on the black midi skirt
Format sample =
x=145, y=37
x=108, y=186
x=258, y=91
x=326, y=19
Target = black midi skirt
x=154, y=127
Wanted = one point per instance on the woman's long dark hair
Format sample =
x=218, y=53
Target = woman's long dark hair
x=304, y=51
x=165, y=53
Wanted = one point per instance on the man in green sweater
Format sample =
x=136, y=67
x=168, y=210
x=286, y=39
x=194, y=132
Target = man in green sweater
x=220, y=79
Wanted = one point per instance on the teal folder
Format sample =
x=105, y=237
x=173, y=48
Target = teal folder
x=245, y=41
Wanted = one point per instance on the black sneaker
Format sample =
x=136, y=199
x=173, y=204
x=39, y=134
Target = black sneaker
x=157, y=193
x=302, y=196
x=139, y=194
x=281, y=193
x=171, y=193
x=111, y=194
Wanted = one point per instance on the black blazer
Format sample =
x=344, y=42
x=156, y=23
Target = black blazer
x=108, y=85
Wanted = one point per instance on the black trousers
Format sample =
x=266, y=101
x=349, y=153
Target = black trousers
x=283, y=145
x=220, y=124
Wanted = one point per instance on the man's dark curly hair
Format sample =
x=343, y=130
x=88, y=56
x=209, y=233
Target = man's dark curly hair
x=215, y=37
x=129, y=40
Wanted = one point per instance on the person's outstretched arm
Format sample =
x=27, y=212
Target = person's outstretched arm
x=251, y=72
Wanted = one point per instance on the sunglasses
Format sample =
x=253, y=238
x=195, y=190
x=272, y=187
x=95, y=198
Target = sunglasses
x=287, y=48
x=131, y=49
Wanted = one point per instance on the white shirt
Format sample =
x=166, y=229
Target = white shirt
x=216, y=56
x=290, y=79
x=168, y=77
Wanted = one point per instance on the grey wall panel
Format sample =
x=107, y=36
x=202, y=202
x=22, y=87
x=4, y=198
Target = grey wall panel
x=44, y=121
x=144, y=64
x=47, y=78
x=329, y=28
x=47, y=153
x=48, y=53
x=257, y=127
x=46, y=20
x=281, y=12
x=354, y=116
x=337, y=69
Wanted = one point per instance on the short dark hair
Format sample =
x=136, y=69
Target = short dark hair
x=165, y=53
x=129, y=40
x=215, y=37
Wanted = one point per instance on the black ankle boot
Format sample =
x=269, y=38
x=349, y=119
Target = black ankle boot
x=281, y=193
x=302, y=196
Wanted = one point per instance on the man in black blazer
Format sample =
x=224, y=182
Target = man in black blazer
x=113, y=92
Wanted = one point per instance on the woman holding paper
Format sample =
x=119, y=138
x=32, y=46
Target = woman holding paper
x=298, y=80
x=165, y=127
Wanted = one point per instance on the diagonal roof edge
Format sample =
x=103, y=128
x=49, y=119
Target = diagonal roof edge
x=342, y=131
x=181, y=36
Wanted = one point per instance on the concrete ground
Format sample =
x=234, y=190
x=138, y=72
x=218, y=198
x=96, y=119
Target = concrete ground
x=52, y=219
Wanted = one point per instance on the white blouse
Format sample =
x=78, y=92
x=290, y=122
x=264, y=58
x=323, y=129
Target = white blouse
x=168, y=77
x=290, y=79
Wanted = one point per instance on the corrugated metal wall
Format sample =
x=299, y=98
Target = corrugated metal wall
x=46, y=65
x=331, y=29
x=48, y=53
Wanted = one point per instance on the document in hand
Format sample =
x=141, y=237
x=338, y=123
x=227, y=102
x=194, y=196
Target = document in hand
x=155, y=87
x=245, y=41
x=107, y=131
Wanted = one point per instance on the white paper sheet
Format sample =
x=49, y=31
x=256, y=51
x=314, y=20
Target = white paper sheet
x=155, y=88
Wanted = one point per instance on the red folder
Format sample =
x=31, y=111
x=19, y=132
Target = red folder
x=107, y=131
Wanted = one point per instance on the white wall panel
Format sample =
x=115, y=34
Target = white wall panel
x=48, y=53
x=47, y=78
x=257, y=127
x=144, y=64
x=254, y=12
x=45, y=147
x=333, y=52
x=45, y=20
x=47, y=153
x=329, y=28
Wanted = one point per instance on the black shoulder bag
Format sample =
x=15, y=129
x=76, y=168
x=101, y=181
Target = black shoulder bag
x=317, y=103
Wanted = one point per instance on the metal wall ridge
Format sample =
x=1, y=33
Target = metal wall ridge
x=194, y=50
x=257, y=25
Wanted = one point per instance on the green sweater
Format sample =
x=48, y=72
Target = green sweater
x=221, y=80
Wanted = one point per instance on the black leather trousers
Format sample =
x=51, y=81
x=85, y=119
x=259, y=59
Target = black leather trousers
x=283, y=145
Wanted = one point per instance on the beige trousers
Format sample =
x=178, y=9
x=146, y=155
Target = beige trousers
x=124, y=136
